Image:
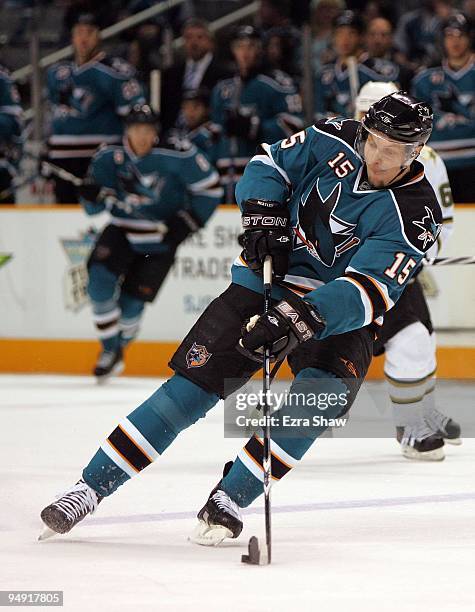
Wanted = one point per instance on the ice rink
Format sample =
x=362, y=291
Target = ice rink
x=356, y=526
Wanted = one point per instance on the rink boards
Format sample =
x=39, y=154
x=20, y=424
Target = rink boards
x=45, y=323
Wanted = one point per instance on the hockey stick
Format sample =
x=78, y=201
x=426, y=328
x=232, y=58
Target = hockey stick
x=353, y=77
x=49, y=168
x=77, y=182
x=449, y=261
x=253, y=557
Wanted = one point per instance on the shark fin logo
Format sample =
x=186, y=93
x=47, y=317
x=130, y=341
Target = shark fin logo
x=430, y=229
x=319, y=230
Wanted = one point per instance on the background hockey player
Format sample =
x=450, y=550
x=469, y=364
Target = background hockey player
x=250, y=107
x=339, y=208
x=450, y=88
x=10, y=136
x=407, y=336
x=197, y=126
x=337, y=85
x=89, y=97
x=157, y=196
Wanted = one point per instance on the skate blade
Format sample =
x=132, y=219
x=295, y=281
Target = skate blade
x=116, y=371
x=434, y=455
x=46, y=534
x=209, y=535
x=453, y=441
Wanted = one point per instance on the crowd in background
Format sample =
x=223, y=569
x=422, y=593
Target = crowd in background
x=229, y=92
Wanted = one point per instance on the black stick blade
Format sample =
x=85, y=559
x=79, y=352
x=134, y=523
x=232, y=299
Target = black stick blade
x=254, y=554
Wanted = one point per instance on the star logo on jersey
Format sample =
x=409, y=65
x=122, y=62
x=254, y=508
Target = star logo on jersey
x=430, y=229
x=325, y=235
x=5, y=258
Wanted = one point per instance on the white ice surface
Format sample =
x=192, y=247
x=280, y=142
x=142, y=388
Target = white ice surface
x=368, y=530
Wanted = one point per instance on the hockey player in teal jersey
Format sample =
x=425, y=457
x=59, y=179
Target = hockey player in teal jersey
x=333, y=95
x=450, y=88
x=10, y=135
x=89, y=98
x=252, y=106
x=345, y=212
x=197, y=126
x=157, y=196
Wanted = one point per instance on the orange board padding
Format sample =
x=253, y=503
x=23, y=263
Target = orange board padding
x=143, y=358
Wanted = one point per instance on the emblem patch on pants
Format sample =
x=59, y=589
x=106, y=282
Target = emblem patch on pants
x=197, y=356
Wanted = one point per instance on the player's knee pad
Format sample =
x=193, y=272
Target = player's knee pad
x=130, y=305
x=315, y=399
x=102, y=284
x=176, y=405
x=410, y=354
x=131, y=314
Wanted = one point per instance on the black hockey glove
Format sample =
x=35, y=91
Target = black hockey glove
x=180, y=226
x=286, y=325
x=242, y=125
x=89, y=190
x=267, y=231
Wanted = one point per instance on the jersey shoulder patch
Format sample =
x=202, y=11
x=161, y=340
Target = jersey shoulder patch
x=277, y=79
x=339, y=127
x=119, y=65
x=419, y=212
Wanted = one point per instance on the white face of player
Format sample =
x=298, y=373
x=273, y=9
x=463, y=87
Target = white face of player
x=85, y=39
x=347, y=41
x=141, y=138
x=457, y=46
x=386, y=160
x=194, y=112
x=247, y=53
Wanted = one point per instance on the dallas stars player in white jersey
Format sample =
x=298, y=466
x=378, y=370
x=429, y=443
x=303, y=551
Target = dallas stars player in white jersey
x=346, y=214
x=407, y=337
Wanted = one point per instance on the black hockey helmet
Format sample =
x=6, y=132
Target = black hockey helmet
x=401, y=117
x=457, y=22
x=246, y=33
x=398, y=119
x=349, y=19
x=142, y=113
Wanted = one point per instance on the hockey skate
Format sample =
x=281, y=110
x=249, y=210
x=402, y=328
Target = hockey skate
x=219, y=518
x=110, y=363
x=420, y=443
x=444, y=426
x=69, y=509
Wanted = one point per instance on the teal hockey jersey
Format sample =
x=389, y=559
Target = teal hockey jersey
x=452, y=96
x=354, y=247
x=272, y=97
x=143, y=193
x=88, y=104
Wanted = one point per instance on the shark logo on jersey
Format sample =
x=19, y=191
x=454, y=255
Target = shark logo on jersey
x=147, y=187
x=430, y=229
x=319, y=230
x=337, y=122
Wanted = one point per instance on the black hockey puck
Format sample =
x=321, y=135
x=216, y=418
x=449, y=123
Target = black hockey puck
x=254, y=554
